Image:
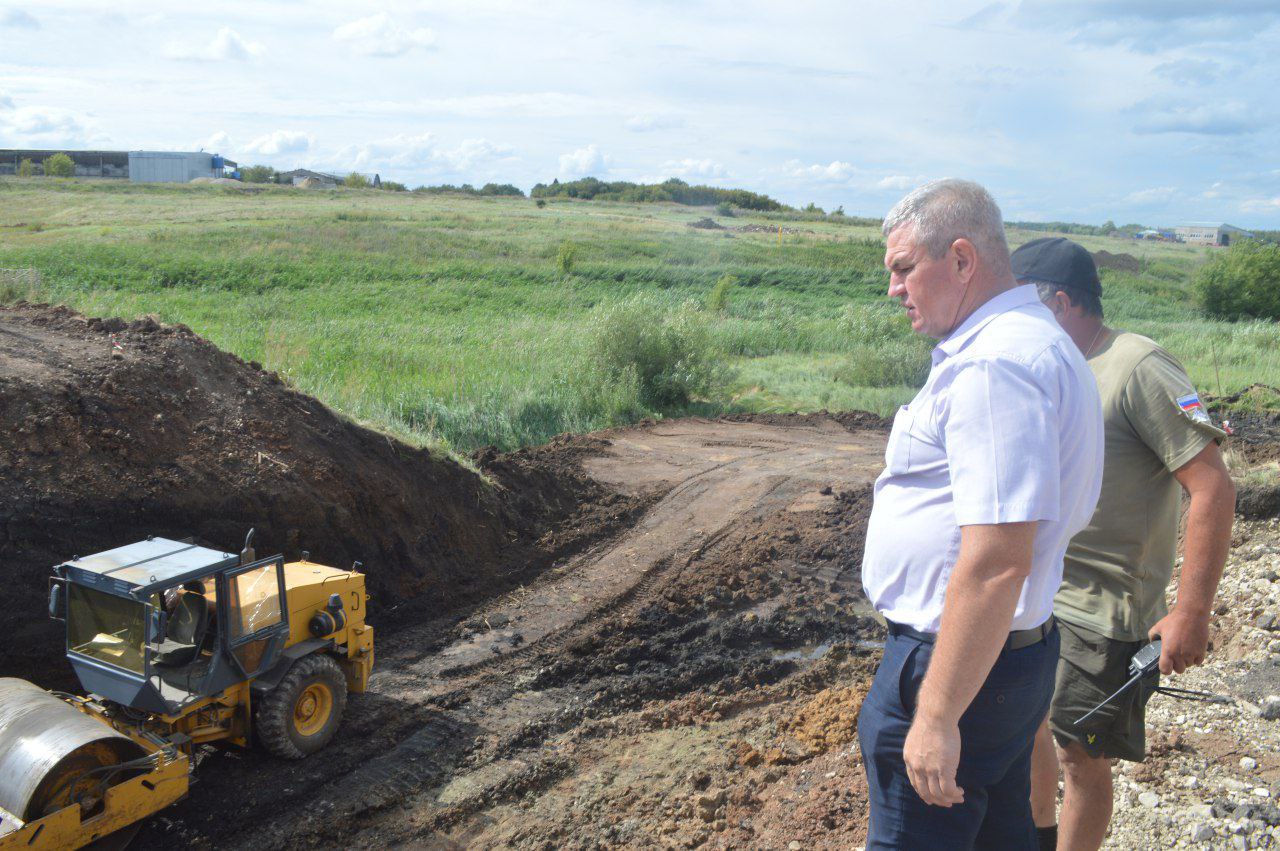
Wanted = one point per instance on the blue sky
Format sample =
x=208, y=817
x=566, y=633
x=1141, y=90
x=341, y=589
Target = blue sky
x=1157, y=112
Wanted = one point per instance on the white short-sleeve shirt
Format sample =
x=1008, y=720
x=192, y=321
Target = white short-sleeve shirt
x=1007, y=429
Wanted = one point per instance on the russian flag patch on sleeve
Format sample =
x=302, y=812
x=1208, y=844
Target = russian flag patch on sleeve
x=1190, y=405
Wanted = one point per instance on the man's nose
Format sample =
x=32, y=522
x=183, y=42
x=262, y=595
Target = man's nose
x=896, y=287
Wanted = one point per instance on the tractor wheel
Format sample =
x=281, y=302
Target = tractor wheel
x=300, y=715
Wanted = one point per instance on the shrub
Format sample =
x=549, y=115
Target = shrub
x=879, y=322
x=890, y=364
x=26, y=168
x=258, y=174
x=724, y=208
x=1242, y=282
x=59, y=165
x=541, y=202
x=718, y=298
x=355, y=180
x=394, y=186
x=666, y=352
x=565, y=256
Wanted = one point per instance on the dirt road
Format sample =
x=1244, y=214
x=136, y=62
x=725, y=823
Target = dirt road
x=670, y=657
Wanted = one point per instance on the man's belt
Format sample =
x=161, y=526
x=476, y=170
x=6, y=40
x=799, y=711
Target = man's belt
x=1017, y=639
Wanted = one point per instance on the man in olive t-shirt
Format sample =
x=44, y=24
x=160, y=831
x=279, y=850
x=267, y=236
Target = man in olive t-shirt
x=1159, y=442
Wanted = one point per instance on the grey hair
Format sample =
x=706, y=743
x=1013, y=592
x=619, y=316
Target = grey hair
x=1088, y=302
x=943, y=211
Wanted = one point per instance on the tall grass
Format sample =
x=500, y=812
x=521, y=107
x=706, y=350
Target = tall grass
x=471, y=321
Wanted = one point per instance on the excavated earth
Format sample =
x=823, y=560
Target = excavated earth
x=645, y=637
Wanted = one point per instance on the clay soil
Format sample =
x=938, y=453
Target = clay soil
x=650, y=636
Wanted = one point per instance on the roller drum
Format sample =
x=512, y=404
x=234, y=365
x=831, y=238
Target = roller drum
x=46, y=749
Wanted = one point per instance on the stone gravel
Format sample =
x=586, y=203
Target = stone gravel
x=1212, y=776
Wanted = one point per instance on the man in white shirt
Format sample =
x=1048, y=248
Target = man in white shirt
x=990, y=471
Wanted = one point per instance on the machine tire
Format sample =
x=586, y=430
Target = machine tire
x=300, y=715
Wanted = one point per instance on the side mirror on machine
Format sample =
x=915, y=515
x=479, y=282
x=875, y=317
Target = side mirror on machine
x=159, y=625
x=57, y=602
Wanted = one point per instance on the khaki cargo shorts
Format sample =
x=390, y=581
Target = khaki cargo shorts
x=1090, y=669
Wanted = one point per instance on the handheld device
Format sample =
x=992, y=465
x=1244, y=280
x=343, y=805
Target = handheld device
x=1144, y=663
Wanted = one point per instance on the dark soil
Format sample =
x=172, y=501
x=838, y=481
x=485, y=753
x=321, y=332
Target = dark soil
x=1120, y=262
x=117, y=430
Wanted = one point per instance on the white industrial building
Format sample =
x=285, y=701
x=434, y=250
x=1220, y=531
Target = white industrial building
x=1211, y=233
x=175, y=166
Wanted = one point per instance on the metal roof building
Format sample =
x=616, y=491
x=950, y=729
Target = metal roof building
x=1210, y=233
x=174, y=166
x=88, y=163
x=137, y=166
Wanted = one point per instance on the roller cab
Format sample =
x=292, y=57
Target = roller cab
x=177, y=645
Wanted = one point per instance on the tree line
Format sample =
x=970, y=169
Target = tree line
x=673, y=190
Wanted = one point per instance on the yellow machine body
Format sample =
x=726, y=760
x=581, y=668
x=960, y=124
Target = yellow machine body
x=80, y=809
x=308, y=587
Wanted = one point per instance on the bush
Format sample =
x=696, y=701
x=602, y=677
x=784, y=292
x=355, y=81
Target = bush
x=541, y=202
x=724, y=208
x=26, y=168
x=878, y=322
x=666, y=352
x=258, y=174
x=355, y=180
x=892, y=364
x=394, y=186
x=1242, y=282
x=565, y=255
x=718, y=298
x=59, y=165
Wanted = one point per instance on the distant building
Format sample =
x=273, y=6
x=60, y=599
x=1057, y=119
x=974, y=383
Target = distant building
x=137, y=166
x=88, y=163
x=1211, y=233
x=310, y=179
x=175, y=166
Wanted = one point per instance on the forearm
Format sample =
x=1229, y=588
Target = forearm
x=976, y=616
x=1209, y=517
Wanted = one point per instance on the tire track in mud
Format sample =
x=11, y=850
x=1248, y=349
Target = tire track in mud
x=485, y=735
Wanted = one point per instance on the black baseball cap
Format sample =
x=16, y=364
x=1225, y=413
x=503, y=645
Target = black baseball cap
x=1060, y=261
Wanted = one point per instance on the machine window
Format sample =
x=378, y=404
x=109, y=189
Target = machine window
x=255, y=600
x=105, y=627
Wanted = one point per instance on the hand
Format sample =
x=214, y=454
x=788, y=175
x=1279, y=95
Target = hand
x=932, y=755
x=1184, y=640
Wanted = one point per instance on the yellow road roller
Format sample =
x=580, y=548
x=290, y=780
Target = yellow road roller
x=178, y=646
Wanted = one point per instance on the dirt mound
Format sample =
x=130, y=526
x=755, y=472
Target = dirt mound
x=121, y=430
x=1120, y=262
x=706, y=224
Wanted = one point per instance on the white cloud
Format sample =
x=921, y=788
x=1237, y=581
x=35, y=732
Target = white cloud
x=44, y=125
x=1261, y=205
x=1154, y=195
x=280, y=142
x=219, y=141
x=379, y=35
x=703, y=169
x=584, y=162
x=471, y=153
x=530, y=104
x=1217, y=118
x=834, y=172
x=19, y=19
x=650, y=123
x=6, y=102
x=226, y=45
x=899, y=182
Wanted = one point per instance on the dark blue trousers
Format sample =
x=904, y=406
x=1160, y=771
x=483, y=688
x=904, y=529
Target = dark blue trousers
x=996, y=733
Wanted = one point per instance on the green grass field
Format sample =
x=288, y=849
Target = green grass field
x=452, y=321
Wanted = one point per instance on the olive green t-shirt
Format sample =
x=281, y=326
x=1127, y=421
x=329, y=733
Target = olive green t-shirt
x=1118, y=567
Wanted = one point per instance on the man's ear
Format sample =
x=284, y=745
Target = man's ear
x=1060, y=304
x=964, y=259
